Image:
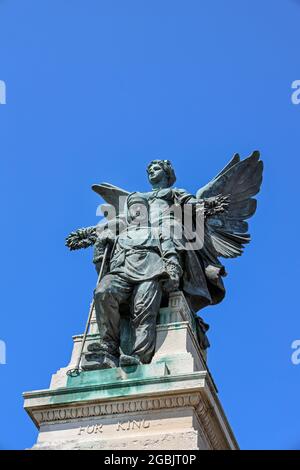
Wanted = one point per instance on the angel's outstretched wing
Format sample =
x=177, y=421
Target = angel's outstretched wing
x=226, y=233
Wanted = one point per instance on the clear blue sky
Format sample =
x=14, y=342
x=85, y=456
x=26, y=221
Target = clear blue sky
x=97, y=89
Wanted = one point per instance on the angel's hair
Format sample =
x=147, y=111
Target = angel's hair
x=166, y=165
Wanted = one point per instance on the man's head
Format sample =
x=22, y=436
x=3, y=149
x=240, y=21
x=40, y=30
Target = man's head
x=161, y=171
x=137, y=207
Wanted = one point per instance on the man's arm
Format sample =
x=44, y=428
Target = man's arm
x=106, y=238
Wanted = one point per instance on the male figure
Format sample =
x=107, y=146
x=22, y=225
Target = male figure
x=142, y=257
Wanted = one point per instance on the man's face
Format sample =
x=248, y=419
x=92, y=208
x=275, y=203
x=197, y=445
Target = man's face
x=138, y=213
x=155, y=173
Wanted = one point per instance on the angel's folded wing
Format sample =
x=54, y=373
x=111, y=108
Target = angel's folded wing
x=226, y=233
x=113, y=195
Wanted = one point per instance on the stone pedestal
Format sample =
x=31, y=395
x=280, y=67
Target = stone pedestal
x=169, y=404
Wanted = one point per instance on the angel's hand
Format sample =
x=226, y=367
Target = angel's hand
x=216, y=205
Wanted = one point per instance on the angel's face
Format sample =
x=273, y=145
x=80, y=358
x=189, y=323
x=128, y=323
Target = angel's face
x=156, y=173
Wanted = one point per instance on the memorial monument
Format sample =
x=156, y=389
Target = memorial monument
x=138, y=377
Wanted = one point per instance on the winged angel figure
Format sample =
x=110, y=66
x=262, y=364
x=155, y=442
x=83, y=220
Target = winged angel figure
x=162, y=241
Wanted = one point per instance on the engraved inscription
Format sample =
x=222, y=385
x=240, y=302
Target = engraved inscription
x=132, y=424
x=91, y=429
x=129, y=425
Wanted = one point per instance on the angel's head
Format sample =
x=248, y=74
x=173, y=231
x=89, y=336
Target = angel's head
x=137, y=209
x=161, y=173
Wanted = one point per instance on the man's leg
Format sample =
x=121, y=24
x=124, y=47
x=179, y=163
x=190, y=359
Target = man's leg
x=111, y=291
x=146, y=303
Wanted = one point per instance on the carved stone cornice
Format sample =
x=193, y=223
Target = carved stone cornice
x=75, y=412
x=207, y=418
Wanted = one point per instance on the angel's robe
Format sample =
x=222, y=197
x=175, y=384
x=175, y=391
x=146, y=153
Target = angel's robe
x=202, y=274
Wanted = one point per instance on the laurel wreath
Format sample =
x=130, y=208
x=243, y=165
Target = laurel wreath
x=81, y=238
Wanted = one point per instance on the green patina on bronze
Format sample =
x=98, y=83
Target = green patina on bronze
x=94, y=389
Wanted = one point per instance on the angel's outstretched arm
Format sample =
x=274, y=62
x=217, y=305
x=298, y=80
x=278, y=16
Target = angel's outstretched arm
x=211, y=205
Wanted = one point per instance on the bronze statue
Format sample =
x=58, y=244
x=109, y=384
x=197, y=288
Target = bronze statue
x=160, y=241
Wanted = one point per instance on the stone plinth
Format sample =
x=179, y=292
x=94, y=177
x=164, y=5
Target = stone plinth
x=169, y=404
